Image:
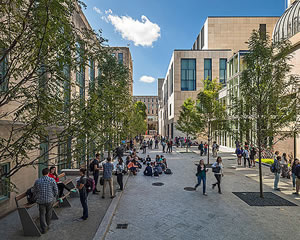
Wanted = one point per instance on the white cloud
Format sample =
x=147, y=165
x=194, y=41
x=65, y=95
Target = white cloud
x=97, y=10
x=147, y=79
x=142, y=33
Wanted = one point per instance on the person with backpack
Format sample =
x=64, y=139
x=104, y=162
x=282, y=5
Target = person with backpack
x=294, y=176
x=46, y=191
x=95, y=169
x=201, y=176
x=83, y=194
x=239, y=153
x=297, y=173
x=276, y=169
x=119, y=172
x=217, y=169
x=60, y=185
x=163, y=145
x=148, y=170
x=108, y=168
x=201, y=148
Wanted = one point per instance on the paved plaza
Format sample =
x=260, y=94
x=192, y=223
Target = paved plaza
x=170, y=212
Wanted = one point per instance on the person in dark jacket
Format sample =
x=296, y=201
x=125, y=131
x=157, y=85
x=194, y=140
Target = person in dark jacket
x=293, y=166
x=201, y=176
x=277, y=170
x=148, y=170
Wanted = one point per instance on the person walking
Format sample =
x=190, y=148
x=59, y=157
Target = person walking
x=108, y=168
x=83, y=194
x=201, y=176
x=46, y=192
x=284, y=166
x=277, y=170
x=96, y=171
x=156, y=143
x=205, y=149
x=119, y=171
x=214, y=149
x=171, y=145
x=217, y=168
x=294, y=177
x=297, y=173
x=201, y=148
x=144, y=146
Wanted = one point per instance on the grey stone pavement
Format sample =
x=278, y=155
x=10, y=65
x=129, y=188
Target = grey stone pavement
x=170, y=212
x=66, y=227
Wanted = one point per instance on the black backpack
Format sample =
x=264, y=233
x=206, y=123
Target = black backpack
x=90, y=184
x=30, y=195
x=156, y=174
x=168, y=171
x=92, y=165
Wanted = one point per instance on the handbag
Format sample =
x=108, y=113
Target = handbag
x=101, y=181
x=216, y=169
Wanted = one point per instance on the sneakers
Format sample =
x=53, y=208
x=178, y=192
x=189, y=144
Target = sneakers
x=103, y=197
x=60, y=200
x=295, y=193
x=277, y=189
x=73, y=190
x=213, y=186
x=205, y=194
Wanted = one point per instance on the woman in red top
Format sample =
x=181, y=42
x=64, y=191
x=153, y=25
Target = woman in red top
x=60, y=185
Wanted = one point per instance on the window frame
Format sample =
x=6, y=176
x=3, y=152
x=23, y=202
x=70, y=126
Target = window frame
x=6, y=185
x=185, y=74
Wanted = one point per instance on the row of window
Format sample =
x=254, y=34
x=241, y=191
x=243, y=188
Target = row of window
x=188, y=72
x=144, y=100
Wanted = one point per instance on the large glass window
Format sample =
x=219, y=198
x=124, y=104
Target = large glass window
x=3, y=69
x=4, y=182
x=188, y=74
x=80, y=78
x=120, y=57
x=171, y=80
x=223, y=73
x=207, y=69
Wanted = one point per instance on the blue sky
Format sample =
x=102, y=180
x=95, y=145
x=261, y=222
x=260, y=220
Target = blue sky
x=166, y=25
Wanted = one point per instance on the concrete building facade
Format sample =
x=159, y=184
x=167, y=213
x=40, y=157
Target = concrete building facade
x=219, y=39
x=152, y=108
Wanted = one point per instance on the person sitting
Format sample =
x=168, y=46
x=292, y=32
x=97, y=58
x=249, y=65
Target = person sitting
x=165, y=162
x=60, y=185
x=158, y=168
x=132, y=167
x=148, y=170
x=148, y=158
x=157, y=158
x=163, y=167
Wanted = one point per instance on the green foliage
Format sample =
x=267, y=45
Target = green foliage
x=141, y=108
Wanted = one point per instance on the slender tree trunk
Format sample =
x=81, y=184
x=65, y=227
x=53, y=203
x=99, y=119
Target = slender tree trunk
x=208, y=142
x=259, y=137
x=187, y=145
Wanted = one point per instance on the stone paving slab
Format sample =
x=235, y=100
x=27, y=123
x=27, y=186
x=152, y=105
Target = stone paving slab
x=169, y=212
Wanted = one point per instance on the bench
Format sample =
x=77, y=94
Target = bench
x=29, y=226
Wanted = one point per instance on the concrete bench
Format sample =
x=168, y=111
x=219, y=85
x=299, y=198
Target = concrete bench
x=29, y=226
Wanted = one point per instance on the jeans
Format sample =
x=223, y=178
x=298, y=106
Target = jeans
x=164, y=147
x=294, y=179
x=96, y=177
x=61, y=187
x=110, y=183
x=45, y=215
x=245, y=162
x=276, y=180
x=218, y=177
x=83, y=200
x=120, y=180
x=201, y=178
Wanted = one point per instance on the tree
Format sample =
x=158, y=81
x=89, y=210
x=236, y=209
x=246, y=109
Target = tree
x=211, y=113
x=268, y=92
x=138, y=122
x=140, y=107
x=187, y=119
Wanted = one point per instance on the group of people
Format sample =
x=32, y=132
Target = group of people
x=247, y=153
x=157, y=167
x=217, y=169
x=183, y=141
x=281, y=167
x=203, y=148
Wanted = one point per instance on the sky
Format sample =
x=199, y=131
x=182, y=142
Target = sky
x=154, y=28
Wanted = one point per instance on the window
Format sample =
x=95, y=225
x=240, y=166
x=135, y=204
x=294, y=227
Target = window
x=202, y=37
x=171, y=80
x=3, y=69
x=99, y=76
x=263, y=30
x=92, y=75
x=170, y=109
x=148, y=99
x=80, y=78
x=223, y=72
x=120, y=58
x=152, y=101
x=207, y=69
x=4, y=183
x=188, y=74
x=67, y=88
